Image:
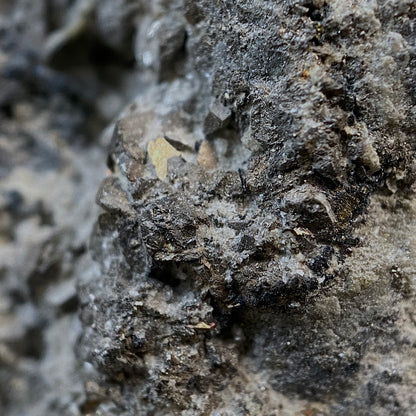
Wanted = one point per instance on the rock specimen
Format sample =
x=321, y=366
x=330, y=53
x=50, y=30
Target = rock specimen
x=255, y=251
x=257, y=247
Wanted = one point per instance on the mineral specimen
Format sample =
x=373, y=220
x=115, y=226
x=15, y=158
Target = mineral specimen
x=252, y=261
x=255, y=250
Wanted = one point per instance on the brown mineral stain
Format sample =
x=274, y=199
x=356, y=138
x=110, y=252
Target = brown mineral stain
x=206, y=155
x=309, y=412
x=305, y=74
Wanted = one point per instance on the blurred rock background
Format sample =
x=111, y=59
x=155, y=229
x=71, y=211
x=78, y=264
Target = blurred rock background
x=65, y=72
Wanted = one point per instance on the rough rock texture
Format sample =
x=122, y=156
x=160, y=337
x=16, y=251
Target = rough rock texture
x=256, y=250
x=255, y=253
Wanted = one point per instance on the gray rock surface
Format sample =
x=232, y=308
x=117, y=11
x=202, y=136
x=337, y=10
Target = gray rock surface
x=255, y=251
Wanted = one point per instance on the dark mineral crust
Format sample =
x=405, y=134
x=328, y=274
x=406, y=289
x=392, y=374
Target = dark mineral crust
x=256, y=250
